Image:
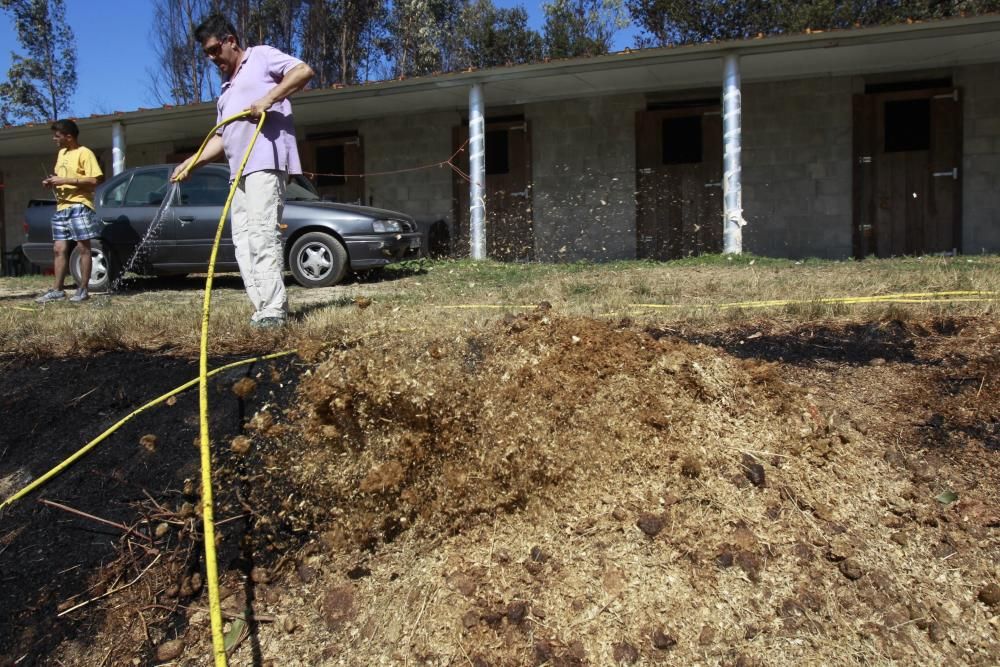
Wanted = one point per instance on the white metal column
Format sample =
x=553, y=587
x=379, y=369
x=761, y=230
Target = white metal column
x=477, y=173
x=117, y=148
x=732, y=178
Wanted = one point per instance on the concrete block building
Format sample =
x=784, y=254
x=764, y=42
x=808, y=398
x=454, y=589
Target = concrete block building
x=870, y=142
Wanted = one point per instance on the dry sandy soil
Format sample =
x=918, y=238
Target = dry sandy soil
x=544, y=490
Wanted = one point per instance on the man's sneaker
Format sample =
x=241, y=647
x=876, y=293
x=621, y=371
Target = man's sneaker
x=268, y=323
x=51, y=295
x=81, y=295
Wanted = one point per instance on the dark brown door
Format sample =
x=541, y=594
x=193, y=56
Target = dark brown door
x=334, y=163
x=679, y=164
x=510, y=233
x=907, y=176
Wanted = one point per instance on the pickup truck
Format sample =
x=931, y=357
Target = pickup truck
x=322, y=240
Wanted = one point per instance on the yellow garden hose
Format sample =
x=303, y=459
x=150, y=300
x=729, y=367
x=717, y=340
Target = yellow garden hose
x=208, y=520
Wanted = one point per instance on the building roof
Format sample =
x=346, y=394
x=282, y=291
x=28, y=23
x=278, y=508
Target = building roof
x=872, y=50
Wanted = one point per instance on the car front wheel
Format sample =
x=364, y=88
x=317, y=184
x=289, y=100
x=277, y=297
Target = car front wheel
x=103, y=268
x=317, y=260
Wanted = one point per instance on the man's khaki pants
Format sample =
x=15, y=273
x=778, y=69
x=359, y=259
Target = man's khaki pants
x=257, y=207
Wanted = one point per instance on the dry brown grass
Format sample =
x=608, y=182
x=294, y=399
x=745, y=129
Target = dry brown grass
x=165, y=314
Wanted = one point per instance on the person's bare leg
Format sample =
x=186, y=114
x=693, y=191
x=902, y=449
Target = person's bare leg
x=60, y=251
x=86, y=263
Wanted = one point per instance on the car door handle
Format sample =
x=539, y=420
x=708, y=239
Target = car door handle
x=185, y=219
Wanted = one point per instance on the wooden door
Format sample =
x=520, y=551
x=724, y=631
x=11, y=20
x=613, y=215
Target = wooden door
x=333, y=162
x=907, y=176
x=510, y=232
x=679, y=179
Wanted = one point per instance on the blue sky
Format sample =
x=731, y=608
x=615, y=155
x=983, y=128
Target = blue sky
x=115, y=53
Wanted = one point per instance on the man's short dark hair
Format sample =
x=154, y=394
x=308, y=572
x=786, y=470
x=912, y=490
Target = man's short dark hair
x=215, y=25
x=66, y=126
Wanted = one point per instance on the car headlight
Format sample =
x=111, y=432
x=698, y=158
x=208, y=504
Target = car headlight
x=384, y=226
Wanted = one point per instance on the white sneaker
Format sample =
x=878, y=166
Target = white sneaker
x=81, y=295
x=51, y=295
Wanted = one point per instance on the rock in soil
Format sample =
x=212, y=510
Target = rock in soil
x=170, y=650
x=990, y=595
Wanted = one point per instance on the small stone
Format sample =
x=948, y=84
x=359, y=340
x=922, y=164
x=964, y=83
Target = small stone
x=619, y=514
x=650, y=524
x=170, y=650
x=900, y=538
x=850, y=569
x=663, y=641
x=990, y=595
x=470, y=619
x=877, y=361
x=289, y=624
x=707, y=635
x=162, y=529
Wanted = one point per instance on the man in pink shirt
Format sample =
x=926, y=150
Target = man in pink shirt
x=256, y=79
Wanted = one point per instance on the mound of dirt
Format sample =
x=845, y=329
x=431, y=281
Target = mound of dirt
x=567, y=491
x=551, y=490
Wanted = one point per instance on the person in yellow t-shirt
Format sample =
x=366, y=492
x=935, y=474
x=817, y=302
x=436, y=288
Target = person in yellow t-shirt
x=76, y=175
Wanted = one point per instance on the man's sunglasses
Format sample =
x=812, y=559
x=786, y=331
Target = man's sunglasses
x=215, y=49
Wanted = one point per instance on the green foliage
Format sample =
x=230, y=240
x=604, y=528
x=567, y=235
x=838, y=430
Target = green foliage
x=489, y=36
x=582, y=27
x=422, y=36
x=685, y=21
x=340, y=39
x=40, y=83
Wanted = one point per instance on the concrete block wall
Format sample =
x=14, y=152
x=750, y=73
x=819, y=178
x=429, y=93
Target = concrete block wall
x=583, y=172
x=981, y=157
x=401, y=142
x=797, y=178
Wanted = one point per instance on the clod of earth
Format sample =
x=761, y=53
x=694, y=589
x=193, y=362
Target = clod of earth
x=244, y=387
x=850, y=569
x=240, y=445
x=148, y=442
x=650, y=524
x=990, y=595
x=661, y=640
x=754, y=471
x=625, y=653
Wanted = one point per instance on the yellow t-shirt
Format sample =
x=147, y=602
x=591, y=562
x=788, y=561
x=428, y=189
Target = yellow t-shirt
x=79, y=162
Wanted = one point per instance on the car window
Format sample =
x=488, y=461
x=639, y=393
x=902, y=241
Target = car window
x=300, y=189
x=205, y=188
x=147, y=188
x=115, y=193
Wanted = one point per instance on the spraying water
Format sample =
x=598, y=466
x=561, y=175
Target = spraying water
x=139, y=254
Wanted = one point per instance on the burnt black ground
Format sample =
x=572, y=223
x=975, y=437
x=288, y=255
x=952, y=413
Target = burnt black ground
x=52, y=407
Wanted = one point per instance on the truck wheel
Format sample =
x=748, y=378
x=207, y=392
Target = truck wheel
x=104, y=266
x=317, y=260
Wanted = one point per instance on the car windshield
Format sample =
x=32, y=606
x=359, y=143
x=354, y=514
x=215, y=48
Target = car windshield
x=300, y=189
